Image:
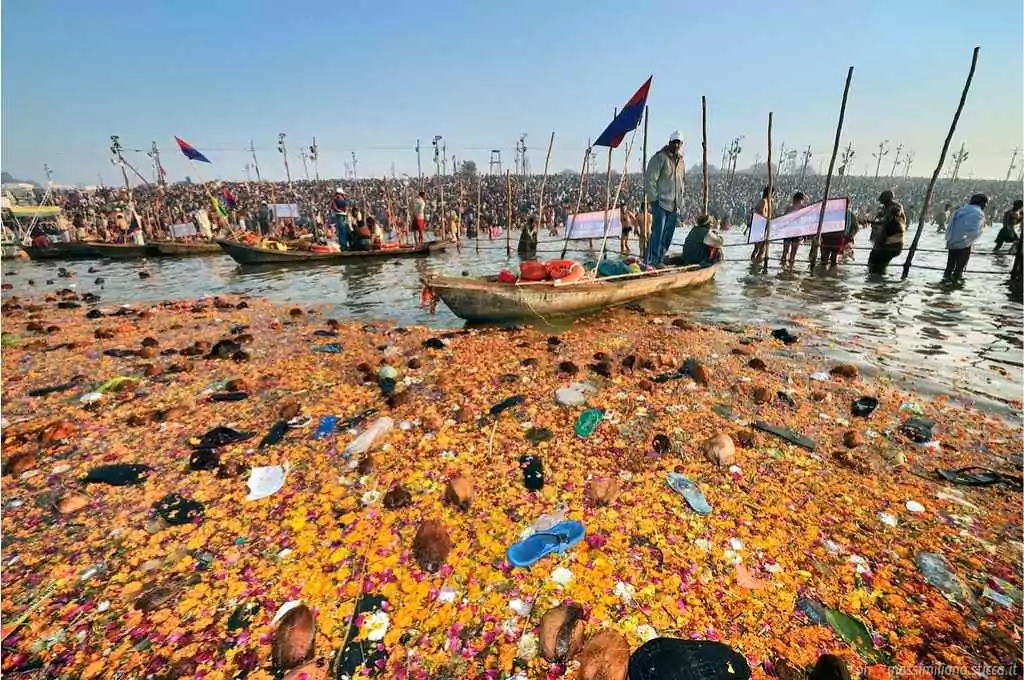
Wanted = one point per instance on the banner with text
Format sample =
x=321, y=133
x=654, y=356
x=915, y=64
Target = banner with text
x=285, y=210
x=591, y=224
x=803, y=222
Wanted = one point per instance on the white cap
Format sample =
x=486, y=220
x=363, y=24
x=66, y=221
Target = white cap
x=339, y=190
x=675, y=136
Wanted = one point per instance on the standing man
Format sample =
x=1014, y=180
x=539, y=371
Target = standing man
x=889, y=228
x=965, y=227
x=628, y=222
x=419, y=216
x=663, y=184
x=790, y=245
x=338, y=208
x=1011, y=219
x=762, y=208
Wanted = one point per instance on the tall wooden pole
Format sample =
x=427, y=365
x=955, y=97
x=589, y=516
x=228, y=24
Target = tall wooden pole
x=479, y=214
x=938, y=168
x=579, y=201
x=831, y=166
x=458, y=228
x=771, y=196
x=642, y=227
x=704, y=139
x=543, y=183
x=508, y=228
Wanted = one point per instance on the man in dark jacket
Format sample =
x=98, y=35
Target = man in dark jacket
x=889, y=228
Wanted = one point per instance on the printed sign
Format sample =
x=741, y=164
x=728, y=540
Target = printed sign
x=183, y=230
x=285, y=210
x=803, y=222
x=591, y=224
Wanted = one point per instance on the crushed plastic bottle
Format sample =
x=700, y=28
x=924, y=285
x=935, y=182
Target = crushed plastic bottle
x=370, y=438
x=937, y=573
x=545, y=522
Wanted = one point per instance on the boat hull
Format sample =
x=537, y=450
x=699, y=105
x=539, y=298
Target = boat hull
x=490, y=301
x=250, y=255
x=62, y=251
x=185, y=249
x=118, y=251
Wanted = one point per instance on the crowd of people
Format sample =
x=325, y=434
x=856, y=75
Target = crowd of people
x=457, y=205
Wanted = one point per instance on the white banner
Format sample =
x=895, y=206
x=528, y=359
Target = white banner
x=803, y=222
x=183, y=230
x=591, y=224
x=285, y=210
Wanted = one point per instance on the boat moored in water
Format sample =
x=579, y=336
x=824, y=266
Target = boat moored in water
x=254, y=255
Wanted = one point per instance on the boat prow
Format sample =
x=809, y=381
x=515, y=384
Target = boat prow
x=488, y=300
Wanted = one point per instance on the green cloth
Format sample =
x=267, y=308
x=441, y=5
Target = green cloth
x=694, y=250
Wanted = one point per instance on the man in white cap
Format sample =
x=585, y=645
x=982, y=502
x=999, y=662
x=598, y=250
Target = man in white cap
x=339, y=215
x=663, y=183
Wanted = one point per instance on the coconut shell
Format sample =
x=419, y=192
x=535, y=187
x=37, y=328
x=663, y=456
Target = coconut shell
x=719, y=450
x=289, y=409
x=604, y=657
x=561, y=632
x=55, y=432
x=21, y=462
x=459, y=492
x=294, y=638
x=602, y=491
x=700, y=374
x=431, y=545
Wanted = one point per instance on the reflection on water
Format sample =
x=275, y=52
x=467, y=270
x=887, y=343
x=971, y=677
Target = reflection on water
x=962, y=338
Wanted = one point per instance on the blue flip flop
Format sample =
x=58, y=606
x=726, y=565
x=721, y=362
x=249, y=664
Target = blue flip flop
x=558, y=538
x=688, y=490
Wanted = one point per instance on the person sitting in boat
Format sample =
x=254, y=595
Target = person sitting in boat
x=338, y=209
x=376, y=233
x=698, y=248
x=41, y=240
x=363, y=237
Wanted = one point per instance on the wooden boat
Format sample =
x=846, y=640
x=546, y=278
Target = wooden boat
x=76, y=250
x=486, y=299
x=246, y=254
x=185, y=248
x=123, y=251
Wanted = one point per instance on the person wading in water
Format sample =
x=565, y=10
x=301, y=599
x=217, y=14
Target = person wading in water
x=889, y=228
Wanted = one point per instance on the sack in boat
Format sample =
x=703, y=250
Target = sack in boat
x=505, y=276
x=564, y=270
x=531, y=270
x=612, y=268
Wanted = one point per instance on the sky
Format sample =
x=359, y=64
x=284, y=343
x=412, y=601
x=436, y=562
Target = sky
x=372, y=77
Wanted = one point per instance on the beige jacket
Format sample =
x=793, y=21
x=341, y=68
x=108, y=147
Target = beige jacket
x=663, y=181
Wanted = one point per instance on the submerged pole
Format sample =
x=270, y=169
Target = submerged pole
x=831, y=166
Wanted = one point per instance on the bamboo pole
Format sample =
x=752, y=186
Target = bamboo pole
x=938, y=168
x=704, y=147
x=479, y=214
x=458, y=224
x=815, y=245
x=579, y=202
x=642, y=227
x=508, y=227
x=543, y=183
x=771, y=195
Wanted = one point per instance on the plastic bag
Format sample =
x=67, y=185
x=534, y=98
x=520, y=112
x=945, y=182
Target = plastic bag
x=370, y=438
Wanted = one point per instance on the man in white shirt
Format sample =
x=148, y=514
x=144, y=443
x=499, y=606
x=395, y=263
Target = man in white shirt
x=964, y=228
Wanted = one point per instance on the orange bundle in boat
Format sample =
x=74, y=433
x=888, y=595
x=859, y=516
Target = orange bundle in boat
x=566, y=271
x=532, y=270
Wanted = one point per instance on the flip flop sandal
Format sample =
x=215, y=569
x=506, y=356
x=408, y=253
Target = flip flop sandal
x=977, y=476
x=558, y=538
x=326, y=427
x=689, y=491
x=588, y=422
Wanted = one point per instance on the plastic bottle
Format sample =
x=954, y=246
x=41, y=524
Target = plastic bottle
x=545, y=522
x=370, y=438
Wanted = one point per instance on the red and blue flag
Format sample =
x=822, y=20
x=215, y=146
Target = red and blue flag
x=627, y=120
x=191, y=152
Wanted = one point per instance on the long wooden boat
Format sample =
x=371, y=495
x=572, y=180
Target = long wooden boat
x=246, y=254
x=486, y=299
x=185, y=248
x=123, y=251
x=76, y=250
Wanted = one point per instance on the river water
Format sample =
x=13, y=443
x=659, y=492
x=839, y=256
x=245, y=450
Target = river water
x=965, y=340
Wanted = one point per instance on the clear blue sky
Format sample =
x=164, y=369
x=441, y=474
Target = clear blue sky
x=373, y=76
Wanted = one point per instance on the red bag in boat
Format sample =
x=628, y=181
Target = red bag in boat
x=505, y=276
x=564, y=270
x=532, y=270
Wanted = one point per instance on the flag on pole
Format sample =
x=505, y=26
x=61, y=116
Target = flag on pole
x=192, y=153
x=627, y=120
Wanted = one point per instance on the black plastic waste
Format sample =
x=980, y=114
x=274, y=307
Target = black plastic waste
x=433, y=343
x=63, y=387
x=93, y=314
x=222, y=436
x=786, y=434
x=356, y=420
x=672, y=658
x=325, y=333
x=229, y=396
x=918, y=430
x=223, y=349
x=784, y=335
x=387, y=386
x=118, y=474
x=176, y=509
x=238, y=328
x=203, y=459
x=506, y=404
x=786, y=399
x=120, y=353
x=672, y=375
x=661, y=444
x=533, y=472
x=355, y=654
x=862, y=407
x=537, y=435
x=243, y=615
x=275, y=434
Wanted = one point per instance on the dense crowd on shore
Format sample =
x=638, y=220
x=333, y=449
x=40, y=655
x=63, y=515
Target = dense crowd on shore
x=730, y=199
